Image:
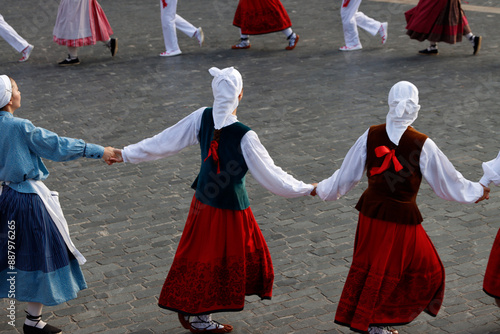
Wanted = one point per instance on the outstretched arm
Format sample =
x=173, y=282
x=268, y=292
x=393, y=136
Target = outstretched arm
x=264, y=170
x=491, y=171
x=349, y=174
x=168, y=142
x=445, y=180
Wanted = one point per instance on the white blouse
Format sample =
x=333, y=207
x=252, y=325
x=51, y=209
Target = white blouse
x=491, y=171
x=436, y=169
x=185, y=133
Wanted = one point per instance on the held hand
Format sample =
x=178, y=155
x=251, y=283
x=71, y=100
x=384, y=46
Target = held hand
x=486, y=194
x=108, y=155
x=313, y=192
x=117, y=156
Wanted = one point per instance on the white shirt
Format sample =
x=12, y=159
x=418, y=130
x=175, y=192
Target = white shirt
x=436, y=169
x=491, y=172
x=185, y=133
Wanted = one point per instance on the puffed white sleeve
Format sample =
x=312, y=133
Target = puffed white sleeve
x=166, y=143
x=263, y=169
x=444, y=179
x=348, y=176
x=491, y=171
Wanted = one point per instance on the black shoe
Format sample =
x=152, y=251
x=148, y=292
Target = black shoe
x=429, y=52
x=47, y=329
x=113, y=46
x=69, y=61
x=477, y=44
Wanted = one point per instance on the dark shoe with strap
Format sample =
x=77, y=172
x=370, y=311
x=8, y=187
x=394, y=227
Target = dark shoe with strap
x=113, y=46
x=429, y=52
x=477, y=44
x=69, y=61
x=47, y=329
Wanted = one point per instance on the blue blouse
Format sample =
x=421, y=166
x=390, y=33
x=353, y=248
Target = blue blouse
x=23, y=145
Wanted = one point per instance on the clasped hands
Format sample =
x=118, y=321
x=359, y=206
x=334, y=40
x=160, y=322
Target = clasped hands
x=112, y=155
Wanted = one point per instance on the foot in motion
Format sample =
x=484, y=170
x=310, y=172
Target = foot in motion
x=477, y=44
x=35, y=325
x=430, y=51
x=243, y=44
x=69, y=61
x=112, y=45
x=381, y=330
x=383, y=32
x=170, y=54
x=200, y=36
x=293, y=39
x=351, y=48
x=26, y=53
x=203, y=324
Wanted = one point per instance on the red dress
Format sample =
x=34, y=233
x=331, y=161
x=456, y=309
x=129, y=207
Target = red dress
x=437, y=21
x=222, y=257
x=491, y=283
x=396, y=272
x=256, y=17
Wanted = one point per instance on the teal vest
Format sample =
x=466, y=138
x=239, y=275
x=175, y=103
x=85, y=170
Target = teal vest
x=225, y=190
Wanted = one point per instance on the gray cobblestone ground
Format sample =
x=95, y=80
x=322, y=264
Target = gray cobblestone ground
x=308, y=107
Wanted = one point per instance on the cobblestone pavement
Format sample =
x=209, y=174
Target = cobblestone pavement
x=308, y=106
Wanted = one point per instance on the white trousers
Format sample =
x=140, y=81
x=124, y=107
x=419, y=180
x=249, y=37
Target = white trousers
x=351, y=19
x=11, y=36
x=170, y=21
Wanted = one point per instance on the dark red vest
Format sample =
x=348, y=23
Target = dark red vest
x=391, y=195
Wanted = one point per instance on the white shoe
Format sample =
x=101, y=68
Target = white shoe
x=351, y=48
x=26, y=53
x=200, y=36
x=170, y=54
x=383, y=32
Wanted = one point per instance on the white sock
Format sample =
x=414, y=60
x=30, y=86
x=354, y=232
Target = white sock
x=73, y=52
x=470, y=36
x=288, y=32
x=35, y=309
x=204, y=322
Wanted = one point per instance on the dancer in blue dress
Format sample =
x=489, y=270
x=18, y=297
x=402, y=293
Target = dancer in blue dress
x=37, y=257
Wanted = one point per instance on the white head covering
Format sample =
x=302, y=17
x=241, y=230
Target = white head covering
x=226, y=86
x=5, y=90
x=403, y=109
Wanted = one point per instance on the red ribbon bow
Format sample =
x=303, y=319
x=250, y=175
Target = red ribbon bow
x=212, y=151
x=164, y=3
x=389, y=155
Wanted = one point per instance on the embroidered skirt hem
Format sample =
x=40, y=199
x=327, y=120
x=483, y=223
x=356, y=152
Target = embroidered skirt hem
x=221, y=258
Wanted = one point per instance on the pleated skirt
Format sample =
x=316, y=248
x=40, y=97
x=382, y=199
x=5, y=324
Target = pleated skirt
x=437, y=21
x=221, y=258
x=396, y=274
x=256, y=17
x=35, y=263
x=80, y=23
x=491, y=282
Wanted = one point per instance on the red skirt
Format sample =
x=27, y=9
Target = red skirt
x=395, y=274
x=491, y=283
x=222, y=257
x=256, y=17
x=437, y=21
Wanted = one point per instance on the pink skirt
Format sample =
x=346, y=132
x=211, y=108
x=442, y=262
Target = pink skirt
x=80, y=23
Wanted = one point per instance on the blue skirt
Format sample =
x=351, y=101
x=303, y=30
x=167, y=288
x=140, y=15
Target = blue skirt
x=35, y=263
